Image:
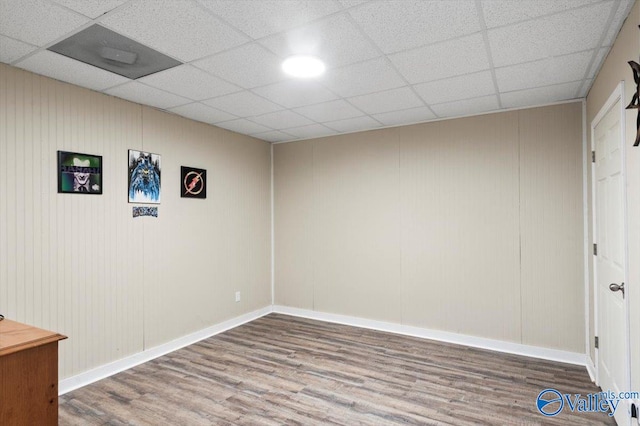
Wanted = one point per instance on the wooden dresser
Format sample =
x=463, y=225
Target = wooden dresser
x=28, y=375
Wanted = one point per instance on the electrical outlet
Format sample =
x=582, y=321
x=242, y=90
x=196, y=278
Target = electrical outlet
x=237, y=296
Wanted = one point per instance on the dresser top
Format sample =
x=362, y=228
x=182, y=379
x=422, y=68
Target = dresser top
x=15, y=336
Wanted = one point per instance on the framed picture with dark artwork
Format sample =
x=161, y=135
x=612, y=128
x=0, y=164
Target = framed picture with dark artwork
x=193, y=182
x=79, y=173
x=144, y=177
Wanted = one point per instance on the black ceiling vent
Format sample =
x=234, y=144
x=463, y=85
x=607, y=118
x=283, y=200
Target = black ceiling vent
x=103, y=48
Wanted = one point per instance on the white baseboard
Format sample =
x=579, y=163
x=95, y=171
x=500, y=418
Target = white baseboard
x=99, y=373
x=442, y=336
x=88, y=377
x=591, y=368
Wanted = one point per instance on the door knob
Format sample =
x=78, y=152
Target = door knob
x=616, y=287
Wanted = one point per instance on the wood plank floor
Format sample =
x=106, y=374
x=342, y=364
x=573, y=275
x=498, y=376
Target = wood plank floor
x=283, y=370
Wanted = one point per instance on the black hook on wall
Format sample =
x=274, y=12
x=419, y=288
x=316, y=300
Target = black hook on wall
x=635, y=100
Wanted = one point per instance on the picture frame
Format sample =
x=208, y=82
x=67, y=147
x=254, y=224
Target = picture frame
x=79, y=173
x=193, y=182
x=145, y=172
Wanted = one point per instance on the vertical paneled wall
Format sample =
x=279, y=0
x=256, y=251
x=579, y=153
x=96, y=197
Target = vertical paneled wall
x=460, y=226
x=198, y=253
x=551, y=225
x=69, y=263
x=357, y=224
x=293, y=222
x=82, y=265
x=467, y=226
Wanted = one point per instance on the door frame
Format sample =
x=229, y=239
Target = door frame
x=616, y=95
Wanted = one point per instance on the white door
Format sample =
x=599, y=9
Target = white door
x=613, y=363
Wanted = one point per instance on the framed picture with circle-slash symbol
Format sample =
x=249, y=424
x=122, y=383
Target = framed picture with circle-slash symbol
x=193, y=182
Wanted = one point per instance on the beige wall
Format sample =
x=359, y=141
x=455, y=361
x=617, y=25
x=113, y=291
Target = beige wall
x=552, y=227
x=198, y=253
x=449, y=219
x=356, y=256
x=82, y=266
x=472, y=226
x=614, y=70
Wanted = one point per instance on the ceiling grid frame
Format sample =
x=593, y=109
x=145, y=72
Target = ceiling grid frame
x=399, y=101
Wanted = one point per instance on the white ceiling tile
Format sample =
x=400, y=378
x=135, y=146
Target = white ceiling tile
x=624, y=7
x=295, y=93
x=407, y=116
x=498, y=13
x=567, y=32
x=274, y=136
x=11, y=49
x=597, y=63
x=329, y=111
x=540, y=95
x=455, y=57
x=335, y=40
x=557, y=70
x=311, y=131
x=282, y=120
x=65, y=69
x=586, y=87
x=351, y=3
x=199, y=112
x=269, y=16
x=457, y=88
x=243, y=126
x=466, y=107
x=37, y=22
x=390, y=100
x=140, y=93
x=180, y=29
x=353, y=124
x=243, y=104
x=91, y=8
x=366, y=77
x=248, y=66
x=190, y=82
x=401, y=24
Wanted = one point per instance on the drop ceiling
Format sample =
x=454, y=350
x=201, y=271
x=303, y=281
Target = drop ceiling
x=389, y=62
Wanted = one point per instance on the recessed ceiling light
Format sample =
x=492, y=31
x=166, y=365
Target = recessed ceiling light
x=303, y=66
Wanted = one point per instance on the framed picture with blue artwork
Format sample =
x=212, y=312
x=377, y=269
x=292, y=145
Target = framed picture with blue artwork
x=144, y=177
